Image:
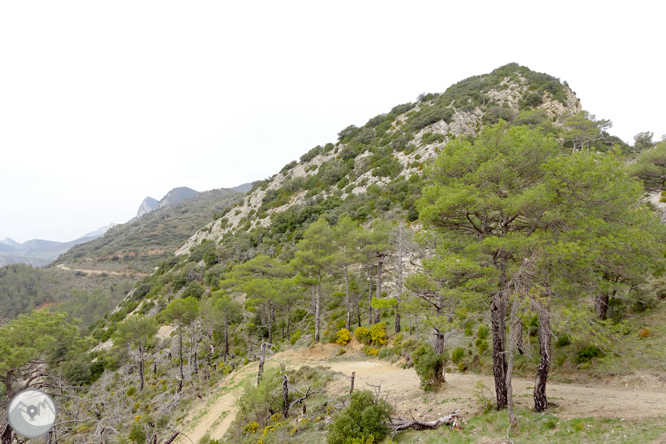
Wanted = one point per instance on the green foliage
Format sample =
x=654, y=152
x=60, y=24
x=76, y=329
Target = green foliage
x=193, y=290
x=183, y=311
x=362, y=335
x=643, y=141
x=531, y=99
x=457, y=354
x=285, y=169
x=314, y=152
x=563, y=340
x=429, y=367
x=587, y=353
x=31, y=341
x=295, y=336
x=650, y=167
x=24, y=288
x=137, y=433
x=482, y=333
x=428, y=117
x=364, y=419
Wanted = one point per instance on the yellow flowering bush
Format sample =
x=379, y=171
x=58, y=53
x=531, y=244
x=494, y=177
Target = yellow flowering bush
x=343, y=337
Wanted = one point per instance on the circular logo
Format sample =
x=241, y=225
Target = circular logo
x=32, y=413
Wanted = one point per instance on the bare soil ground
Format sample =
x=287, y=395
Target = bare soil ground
x=91, y=271
x=603, y=399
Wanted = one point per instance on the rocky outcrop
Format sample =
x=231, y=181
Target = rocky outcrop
x=149, y=204
x=174, y=196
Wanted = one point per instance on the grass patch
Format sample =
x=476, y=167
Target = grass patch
x=543, y=428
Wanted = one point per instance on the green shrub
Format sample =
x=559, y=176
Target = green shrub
x=457, y=355
x=370, y=351
x=482, y=333
x=531, y=100
x=587, y=353
x=563, y=340
x=430, y=116
x=429, y=367
x=365, y=419
x=362, y=335
x=311, y=154
x=137, y=433
x=295, y=336
x=288, y=166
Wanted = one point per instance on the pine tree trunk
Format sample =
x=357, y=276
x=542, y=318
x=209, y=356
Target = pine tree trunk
x=439, y=342
x=514, y=326
x=7, y=435
x=261, y=362
x=317, y=311
x=400, y=283
x=497, y=312
x=180, y=356
x=369, y=298
x=349, y=314
x=601, y=306
x=193, y=353
x=540, y=400
x=270, y=326
x=285, y=397
x=397, y=317
x=379, y=290
x=141, y=364
x=226, y=340
x=288, y=318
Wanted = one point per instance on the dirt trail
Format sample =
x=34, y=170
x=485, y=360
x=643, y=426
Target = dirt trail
x=89, y=271
x=402, y=387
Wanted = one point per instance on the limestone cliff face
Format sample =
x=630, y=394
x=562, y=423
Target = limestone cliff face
x=149, y=204
x=468, y=106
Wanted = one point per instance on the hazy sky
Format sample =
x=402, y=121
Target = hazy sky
x=105, y=103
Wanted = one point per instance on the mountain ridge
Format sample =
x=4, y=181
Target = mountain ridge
x=416, y=132
x=40, y=252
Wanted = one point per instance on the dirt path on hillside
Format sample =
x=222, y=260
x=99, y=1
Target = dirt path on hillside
x=89, y=271
x=460, y=392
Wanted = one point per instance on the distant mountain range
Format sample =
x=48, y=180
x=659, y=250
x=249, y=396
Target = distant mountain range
x=39, y=252
x=176, y=195
x=143, y=242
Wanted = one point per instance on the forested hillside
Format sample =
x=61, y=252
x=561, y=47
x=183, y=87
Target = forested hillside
x=24, y=288
x=139, y=245
x=494, y=228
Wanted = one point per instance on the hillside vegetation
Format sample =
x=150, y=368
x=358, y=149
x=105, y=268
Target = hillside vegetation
x=24, y=288
x=493, y=228
x=141, y=244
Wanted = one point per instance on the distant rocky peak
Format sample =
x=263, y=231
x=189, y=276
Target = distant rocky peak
x=176, y=195
x=10, y=242
x=149, y=204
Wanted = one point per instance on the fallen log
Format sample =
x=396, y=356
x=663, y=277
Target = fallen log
x=398, y=424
